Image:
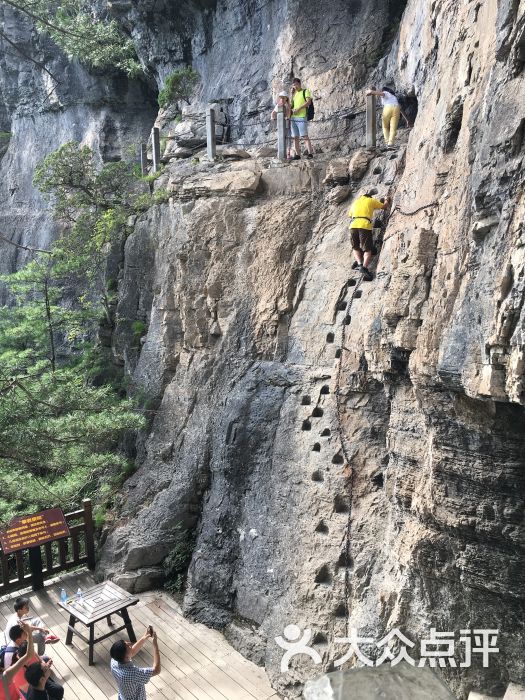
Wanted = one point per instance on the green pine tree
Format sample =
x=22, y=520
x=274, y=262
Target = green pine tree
x=62, y=409
x=99, y=43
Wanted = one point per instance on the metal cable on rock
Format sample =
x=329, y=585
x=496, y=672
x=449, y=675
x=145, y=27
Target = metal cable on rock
x=398, y=209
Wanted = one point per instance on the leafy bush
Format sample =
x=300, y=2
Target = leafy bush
x=177, y=562
x=138, y=328
x=179, y=86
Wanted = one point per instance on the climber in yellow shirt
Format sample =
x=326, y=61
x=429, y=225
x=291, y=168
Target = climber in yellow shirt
x=362, y=214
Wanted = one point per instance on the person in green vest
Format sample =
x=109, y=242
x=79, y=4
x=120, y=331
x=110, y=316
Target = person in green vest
x=362, y=213
x=301, y=98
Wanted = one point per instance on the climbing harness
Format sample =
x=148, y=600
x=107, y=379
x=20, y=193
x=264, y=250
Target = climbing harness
x=354, y=218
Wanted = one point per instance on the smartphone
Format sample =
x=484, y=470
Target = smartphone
x=150, y=630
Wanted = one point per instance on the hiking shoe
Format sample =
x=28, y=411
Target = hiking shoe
x=309, y=155
x=52, y=639
x=355, y=265
x=367, y=275
x=296, y=157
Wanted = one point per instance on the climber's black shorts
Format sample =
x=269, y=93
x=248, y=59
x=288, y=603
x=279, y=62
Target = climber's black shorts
x=362, y=239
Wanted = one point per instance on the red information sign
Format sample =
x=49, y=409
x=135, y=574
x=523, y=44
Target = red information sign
x=33, y=530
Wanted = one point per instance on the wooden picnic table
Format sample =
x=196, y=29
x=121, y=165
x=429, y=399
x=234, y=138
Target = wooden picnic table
x=99, y=602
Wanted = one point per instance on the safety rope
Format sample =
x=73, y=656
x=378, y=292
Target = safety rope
x=416, y=211
x=254, y=119
x=398, y=209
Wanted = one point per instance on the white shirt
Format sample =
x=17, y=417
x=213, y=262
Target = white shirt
x=388, y=99
x=12, y=620
x=8, y=655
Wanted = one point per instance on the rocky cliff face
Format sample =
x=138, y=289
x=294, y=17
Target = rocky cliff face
x=298, y=411
x=42, y=109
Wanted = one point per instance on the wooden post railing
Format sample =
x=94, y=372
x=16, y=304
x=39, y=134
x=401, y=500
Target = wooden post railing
x=32, y=566
x=88, y=529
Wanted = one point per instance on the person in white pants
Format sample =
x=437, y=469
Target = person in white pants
x=41, y=634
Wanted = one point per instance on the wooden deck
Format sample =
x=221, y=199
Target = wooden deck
x=197, y=663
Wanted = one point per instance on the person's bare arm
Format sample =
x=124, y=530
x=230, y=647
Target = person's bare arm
x=139, y=644
x=44, y=630
x=11, y=672
x=379, y=93
x=156, y=655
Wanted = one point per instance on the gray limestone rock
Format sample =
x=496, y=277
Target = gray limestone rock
x=401, y=682
x=392, y=412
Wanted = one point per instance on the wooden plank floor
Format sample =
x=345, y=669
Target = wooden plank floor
x=197, y=663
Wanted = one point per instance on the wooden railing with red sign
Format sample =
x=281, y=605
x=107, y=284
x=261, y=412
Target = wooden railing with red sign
x=29, y=567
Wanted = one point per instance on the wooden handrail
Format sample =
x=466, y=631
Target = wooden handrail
x=58, y=555
x=74, y=515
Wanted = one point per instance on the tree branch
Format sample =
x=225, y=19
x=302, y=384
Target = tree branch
x=40, y=19
x=24, y=247
x=27, y=56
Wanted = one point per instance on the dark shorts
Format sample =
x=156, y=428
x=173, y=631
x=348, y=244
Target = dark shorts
x=362, y=239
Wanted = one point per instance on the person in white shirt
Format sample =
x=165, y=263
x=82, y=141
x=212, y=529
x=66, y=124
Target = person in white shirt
x=41, y=634
x=391, y=112
x=7, y=675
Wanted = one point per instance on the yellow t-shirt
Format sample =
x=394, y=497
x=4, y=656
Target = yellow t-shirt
x=299, y=99
x=365, y=207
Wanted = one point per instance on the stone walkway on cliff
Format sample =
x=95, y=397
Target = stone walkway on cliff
x=197, y=662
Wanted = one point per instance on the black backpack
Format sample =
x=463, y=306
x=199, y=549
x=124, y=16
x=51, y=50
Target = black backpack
x=310, y=110
x=3, y=649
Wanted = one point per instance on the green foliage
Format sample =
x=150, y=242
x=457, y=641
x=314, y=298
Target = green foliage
x=62, y=411
x=5, y=137
x=99, y=517
x=177, y=561
x=94, y=203
x=151, y=177
x=138, y=328
x=100, y=44
x=179, y=85
x=58, y=431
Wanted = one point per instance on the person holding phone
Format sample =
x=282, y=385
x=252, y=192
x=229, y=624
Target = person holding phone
x=41, y=684
x=8, y=689
x=131, y=679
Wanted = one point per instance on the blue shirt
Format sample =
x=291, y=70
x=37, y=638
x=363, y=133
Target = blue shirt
x=131, y=680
